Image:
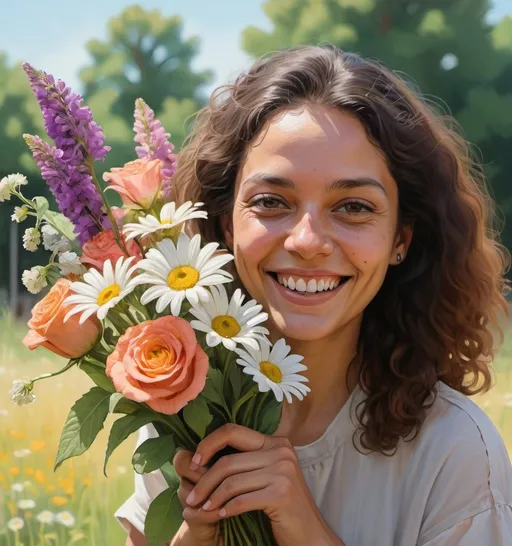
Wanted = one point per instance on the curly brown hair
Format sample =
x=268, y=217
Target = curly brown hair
x=437, y=316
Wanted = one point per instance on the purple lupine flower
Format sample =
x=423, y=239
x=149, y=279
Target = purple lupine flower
x=66, y=120
x=154, y=143
x=73, y=189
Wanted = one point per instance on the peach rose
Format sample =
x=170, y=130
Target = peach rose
x=48, y=329
x=103, y=246
x=159, y=362
x=138, y=182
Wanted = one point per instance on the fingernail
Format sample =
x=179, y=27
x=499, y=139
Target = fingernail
x=191, y=498
x=222, y=512
x=196, y=459
x=207, y=504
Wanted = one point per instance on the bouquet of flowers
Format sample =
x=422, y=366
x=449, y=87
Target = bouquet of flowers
x=141, y=307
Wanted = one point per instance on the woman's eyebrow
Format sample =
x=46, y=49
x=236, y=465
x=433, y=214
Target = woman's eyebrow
x=345, y=183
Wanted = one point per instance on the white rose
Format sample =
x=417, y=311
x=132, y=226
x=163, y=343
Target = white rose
x=53, y=240
x=69, y=264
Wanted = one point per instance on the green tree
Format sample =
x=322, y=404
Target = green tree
x=145, y=56
x=446, y=48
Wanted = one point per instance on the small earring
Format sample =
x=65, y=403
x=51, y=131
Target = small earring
x=399, y=257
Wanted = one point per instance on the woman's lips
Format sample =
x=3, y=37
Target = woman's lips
x=307, y=298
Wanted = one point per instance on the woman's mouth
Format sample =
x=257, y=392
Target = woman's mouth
x=308, y=289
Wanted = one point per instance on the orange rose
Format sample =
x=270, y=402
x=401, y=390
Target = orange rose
x=48, y=329
x=138, y=182
x=103, y=246
x=159, y=362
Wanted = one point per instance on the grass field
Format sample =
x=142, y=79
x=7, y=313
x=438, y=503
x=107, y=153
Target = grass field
x=78, y=498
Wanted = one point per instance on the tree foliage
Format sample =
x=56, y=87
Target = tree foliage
x=446, y=48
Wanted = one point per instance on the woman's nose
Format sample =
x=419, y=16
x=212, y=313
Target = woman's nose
x=308, y=238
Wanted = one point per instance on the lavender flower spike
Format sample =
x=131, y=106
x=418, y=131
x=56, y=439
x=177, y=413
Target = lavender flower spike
x=66, y=120
x=154, y=143
x=73, y=188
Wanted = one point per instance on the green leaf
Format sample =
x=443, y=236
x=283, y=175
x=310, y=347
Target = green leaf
x=84, y=421
x=97, y=374
x=64, y=225
x=163, y=518
x=123, y=427
x=41, y=205
x=213, y=390
x=271, y=416
x=170, y=476
x=197, y=416
x=153, y=454
x=119, y=404
x=235, y=379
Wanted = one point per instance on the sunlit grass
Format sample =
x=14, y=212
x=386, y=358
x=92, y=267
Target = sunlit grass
x=29, y=438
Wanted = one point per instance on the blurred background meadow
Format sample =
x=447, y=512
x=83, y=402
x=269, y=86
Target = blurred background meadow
x=173, y=54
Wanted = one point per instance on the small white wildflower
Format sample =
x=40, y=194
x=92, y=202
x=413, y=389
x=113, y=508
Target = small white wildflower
x=69, y=264
x=19, y=214
x=26, y=504
x=17, y=487
x=21, y=392
x=16, y=180
x=45, y=517
x=65, y=518
x=5, y=190
x=34, y=279
x=53, y=240
x=21, y=453
x=31, y=239
x=15, y=524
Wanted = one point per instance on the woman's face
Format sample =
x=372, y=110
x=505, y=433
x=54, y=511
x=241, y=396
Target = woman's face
x=314, y=225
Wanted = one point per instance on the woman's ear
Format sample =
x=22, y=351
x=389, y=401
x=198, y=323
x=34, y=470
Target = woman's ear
x=226, y=224
x=402, y=243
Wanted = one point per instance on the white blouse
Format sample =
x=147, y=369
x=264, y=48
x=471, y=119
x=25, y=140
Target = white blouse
x=451, y=486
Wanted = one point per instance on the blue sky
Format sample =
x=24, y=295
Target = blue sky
x=51, y=34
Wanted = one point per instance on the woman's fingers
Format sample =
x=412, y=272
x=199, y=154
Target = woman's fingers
x=236, y=486
x=181, y=464
x=229, y=469
x=184, y=491
x=236, y=436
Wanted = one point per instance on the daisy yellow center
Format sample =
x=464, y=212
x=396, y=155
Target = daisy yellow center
x=226, y=326
x=183, y=277
x=108, y=293
x=272, y=371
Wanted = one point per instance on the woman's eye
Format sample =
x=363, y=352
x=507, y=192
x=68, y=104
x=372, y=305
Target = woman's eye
x=354, y=207
x=267, y=202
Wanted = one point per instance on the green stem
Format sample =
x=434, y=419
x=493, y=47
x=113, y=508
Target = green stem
x=238, y=522
x=115, y=229
x=258, y=410
x=247, y=396
x=69, y=365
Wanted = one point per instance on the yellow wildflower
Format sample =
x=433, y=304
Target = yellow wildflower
x=39, y=476
x=59, y=501
x=11, y=506
x=29, y=471
x=14, y=471
x=3, y=455
x=87, y=481
x=37, y=445
x=17, y=435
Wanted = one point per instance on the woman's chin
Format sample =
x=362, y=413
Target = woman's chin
x=302, y=327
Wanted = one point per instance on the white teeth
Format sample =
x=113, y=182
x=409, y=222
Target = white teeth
x=312, y=286
x=301, y=285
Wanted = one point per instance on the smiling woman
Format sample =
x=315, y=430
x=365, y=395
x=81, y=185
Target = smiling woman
x=359, y=221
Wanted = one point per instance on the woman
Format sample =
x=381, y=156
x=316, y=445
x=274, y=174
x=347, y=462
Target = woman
x=359, y=221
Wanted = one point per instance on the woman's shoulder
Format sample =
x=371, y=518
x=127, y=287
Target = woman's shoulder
x=466, y=444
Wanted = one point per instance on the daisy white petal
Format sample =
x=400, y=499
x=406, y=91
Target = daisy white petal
x=268, y=369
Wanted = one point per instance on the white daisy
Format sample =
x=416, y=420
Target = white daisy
x=99, y=293
x=21, y=453
x=230, y=322
x=181, y=271
x=26, y=504
x=275, y=369
x=65, y=518
x=170, y=217
x=15, y=524
x=45, y=517
x=17, y=487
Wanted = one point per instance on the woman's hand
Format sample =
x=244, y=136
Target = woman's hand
x=194, y=531
x=265, y=476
